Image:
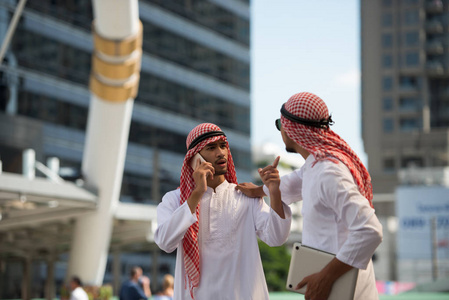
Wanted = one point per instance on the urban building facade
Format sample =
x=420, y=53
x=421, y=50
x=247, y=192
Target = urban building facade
x=195, y=68
x=405, y=80
x=404, y=106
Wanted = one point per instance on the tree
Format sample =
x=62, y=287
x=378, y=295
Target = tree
x=275, y=262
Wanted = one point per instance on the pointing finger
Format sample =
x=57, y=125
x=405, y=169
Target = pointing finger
x=276, y=162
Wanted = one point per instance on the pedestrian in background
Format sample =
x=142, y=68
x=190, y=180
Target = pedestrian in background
x=136, y=287
x=78, y=292
x=167, y=289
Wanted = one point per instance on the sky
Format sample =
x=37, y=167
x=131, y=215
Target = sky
x=303, y=45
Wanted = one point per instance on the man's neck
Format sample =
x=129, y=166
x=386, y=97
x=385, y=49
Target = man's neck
x=216, y=181
x=303, y=152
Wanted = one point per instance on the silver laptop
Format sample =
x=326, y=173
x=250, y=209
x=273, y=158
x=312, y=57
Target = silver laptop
x=306, y=261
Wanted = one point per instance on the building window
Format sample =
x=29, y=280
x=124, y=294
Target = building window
x=37, y=52
x=412, y=38
x=408, y=83
x=387, y=20
x=410, y=17
x=387, y=104
x=408, y=104
x=387, y=40
x=408, y=124
x=389, y=165
x=388, y=125
x=412, y=59
x=177, y=98
x=52, y=110
x=408, y=162
x=185, y=52
x=223, y=21
x=388, y=83
x=387, y=60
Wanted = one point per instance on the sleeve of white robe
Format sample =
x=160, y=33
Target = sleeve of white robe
x=291, y=186
x=270, y=227
x=173, y=221
x=365, y=231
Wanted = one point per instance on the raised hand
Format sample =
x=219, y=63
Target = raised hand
x=270, y=175
x=200, y=174
x=202, y=171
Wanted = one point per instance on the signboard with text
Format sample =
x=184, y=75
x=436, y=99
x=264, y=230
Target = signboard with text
x=423, y=216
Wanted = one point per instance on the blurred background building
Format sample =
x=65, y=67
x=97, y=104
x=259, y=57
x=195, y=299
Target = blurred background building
x=195, y=68
x=405, y=86
x=405, y=130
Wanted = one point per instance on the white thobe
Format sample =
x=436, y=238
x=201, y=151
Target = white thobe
x=336, y=217
x=79, y=294
x=230, y=222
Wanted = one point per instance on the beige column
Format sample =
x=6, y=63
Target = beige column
x=50, y=280
x=26, y=279
x=116, y=270
x=113, y=83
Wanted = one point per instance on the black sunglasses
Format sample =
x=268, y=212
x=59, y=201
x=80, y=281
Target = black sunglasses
x=278, y=124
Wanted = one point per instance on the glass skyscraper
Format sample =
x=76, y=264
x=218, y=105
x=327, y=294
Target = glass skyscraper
x=195, y=69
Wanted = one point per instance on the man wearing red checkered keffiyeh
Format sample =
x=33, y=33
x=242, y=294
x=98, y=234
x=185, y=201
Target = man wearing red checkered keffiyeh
x=336, y=193
x=215, y=227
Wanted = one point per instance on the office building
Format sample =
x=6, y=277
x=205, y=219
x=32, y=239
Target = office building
x=195, y=68
x=405, y=86
x=405, y=115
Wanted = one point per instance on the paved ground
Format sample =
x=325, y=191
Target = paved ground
x=403, y=296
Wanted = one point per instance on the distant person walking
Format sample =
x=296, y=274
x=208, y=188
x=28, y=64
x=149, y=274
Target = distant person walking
x=136, y=287
x=167, y=289
x=78, y=292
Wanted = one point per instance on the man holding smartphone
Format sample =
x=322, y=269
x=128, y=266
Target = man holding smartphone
x=215, y=227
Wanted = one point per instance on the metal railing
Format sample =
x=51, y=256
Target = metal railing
x=30, y=165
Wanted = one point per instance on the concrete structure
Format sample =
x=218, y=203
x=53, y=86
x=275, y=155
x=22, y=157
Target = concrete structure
x=405, y=80
x=405, y=96
x=114, y=82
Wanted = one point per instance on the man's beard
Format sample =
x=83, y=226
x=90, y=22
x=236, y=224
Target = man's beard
x=221, y=172
x=291, y=150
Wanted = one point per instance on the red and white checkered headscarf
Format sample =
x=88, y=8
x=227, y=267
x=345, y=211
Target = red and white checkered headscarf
x=187, y=185
x=323, y=143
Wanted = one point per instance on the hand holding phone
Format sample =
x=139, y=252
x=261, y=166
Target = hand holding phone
x=194, y=160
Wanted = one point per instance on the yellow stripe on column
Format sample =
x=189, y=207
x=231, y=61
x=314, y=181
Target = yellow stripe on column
x=116, y=67
x=118, y=47
x=114, y=93
x=120, y=70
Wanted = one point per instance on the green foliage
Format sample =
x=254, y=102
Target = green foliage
x=275, y=262
x=103, y=292
x=263, y=163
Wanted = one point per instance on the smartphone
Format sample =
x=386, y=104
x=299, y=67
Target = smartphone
x=194, y=160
